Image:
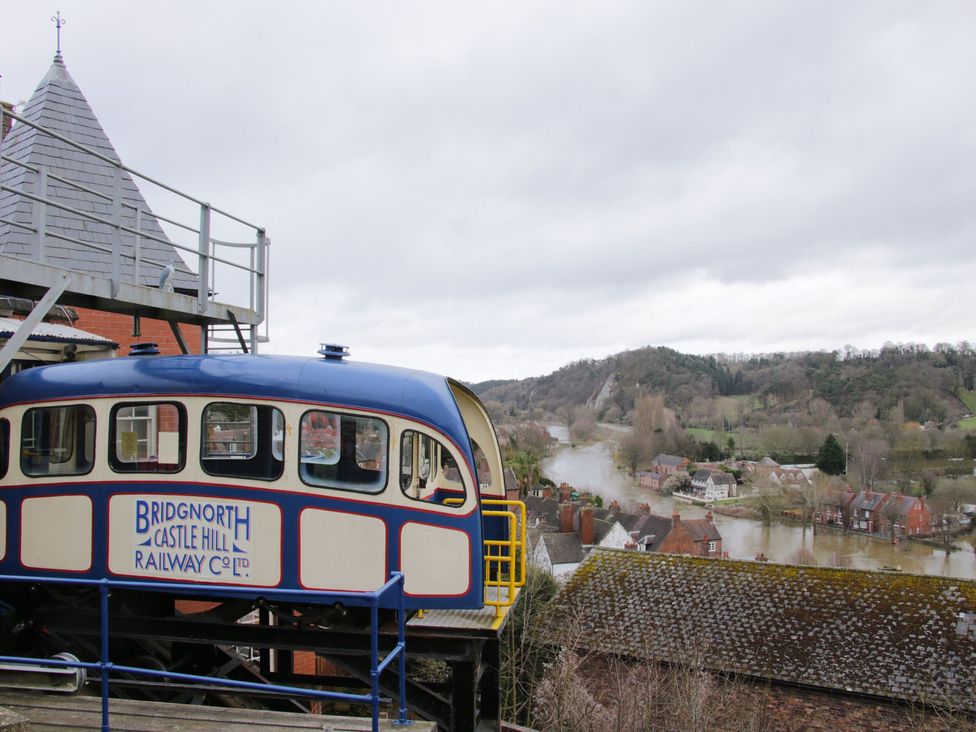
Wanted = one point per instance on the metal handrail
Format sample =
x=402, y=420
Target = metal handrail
x=204, y=250
x=510, y=556
x=372, y=600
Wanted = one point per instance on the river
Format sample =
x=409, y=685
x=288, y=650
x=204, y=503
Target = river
x=591, y=468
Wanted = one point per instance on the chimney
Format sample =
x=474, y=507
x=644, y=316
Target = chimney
x=548, y=492
x=614, y=506
x=631, y=546
x=565, y=518
x=675, y=519
x=586, y=533
x=7, y=121
x=564, y=493
x=708, y=518
x=645, y=508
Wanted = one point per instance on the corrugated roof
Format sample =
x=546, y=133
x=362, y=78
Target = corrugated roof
x=55, y=333
x=898, y=636
x=59, y=105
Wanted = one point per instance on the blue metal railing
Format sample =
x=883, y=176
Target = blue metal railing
x=371, y=600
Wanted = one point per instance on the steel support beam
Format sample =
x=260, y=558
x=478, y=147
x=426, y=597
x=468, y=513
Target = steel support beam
x=26, y=327
x=175, y=327
x=237, y=329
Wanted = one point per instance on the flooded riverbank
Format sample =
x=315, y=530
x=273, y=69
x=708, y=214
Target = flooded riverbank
x=591, y=467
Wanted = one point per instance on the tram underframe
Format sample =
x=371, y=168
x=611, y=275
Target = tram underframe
x=467, y=699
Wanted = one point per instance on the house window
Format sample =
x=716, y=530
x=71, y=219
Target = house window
x=711, y=546
x=343, y=451
x=242, y=441
x=58, y=440
x=148, y=438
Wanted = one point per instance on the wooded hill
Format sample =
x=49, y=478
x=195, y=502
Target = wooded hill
x=906, y=382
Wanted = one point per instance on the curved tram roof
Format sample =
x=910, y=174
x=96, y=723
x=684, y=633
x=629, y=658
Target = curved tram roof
x=420, y=395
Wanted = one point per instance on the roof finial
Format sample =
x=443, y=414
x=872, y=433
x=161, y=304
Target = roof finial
x=59, y=22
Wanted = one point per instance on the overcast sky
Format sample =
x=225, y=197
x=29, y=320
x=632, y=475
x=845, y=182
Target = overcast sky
x=492, y=190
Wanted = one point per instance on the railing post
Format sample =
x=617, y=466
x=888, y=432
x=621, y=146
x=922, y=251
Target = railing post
x=137, y=274
x=259, y=281
x=40, y=214
x=260, y=287
x=117, y=232
x=374, y=661
x=402, y=638
x=203, y=269
x=103, y=590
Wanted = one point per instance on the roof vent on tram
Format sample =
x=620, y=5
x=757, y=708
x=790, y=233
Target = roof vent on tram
x=144, y=349
x=333, y=351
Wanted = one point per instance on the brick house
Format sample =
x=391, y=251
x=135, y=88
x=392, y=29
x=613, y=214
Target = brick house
x=651, y=479
x=867, y=511
x=906, y=516
x=697, y=537
x=669, y=464
x=563, y=534
x=835, y=508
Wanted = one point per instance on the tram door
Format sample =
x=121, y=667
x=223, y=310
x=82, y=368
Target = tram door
x=488, y=458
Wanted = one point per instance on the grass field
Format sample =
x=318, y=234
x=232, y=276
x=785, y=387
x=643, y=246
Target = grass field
x=720, y=438
x=967, y=424
x=969, y=399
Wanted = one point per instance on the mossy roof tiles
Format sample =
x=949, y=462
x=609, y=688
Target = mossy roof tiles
x=898, y=636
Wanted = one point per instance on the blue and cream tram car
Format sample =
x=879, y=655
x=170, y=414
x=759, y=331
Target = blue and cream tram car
x=252, y=471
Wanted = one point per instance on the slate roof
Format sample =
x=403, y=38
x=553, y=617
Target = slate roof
x=900, y=504
x=546, y=510
x=868, y=501
x=601, y=528
x=651, y=531
x=838, y=498
x=563, y=548
x=701, y=530
x=59, y=105
x=897, y=636
x=673, y=461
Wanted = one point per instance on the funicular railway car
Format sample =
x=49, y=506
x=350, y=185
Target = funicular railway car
x=252, y=471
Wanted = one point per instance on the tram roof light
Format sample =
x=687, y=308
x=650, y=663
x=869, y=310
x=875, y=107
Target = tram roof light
x=333, y=351
x=144, y=349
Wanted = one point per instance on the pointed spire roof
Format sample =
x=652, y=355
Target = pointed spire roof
x=59, y=105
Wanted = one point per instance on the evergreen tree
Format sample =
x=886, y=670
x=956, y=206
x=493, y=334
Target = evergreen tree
x=831, y=459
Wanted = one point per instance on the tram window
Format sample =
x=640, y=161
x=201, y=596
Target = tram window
x=481, y=464
x=343, y=451
x=58, y=440
x=419, y=477
x=148, y=438
x=406, y=459
x=4, y=446
x=242, y=441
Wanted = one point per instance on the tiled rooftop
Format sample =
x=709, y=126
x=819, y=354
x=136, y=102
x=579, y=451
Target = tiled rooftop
x=59, y=105
x=906, y=637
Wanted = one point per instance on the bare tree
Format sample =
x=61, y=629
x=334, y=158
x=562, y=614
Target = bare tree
x=869, y=453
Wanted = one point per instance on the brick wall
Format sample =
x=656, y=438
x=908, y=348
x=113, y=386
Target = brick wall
x=119, y=329
x=678, y=540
